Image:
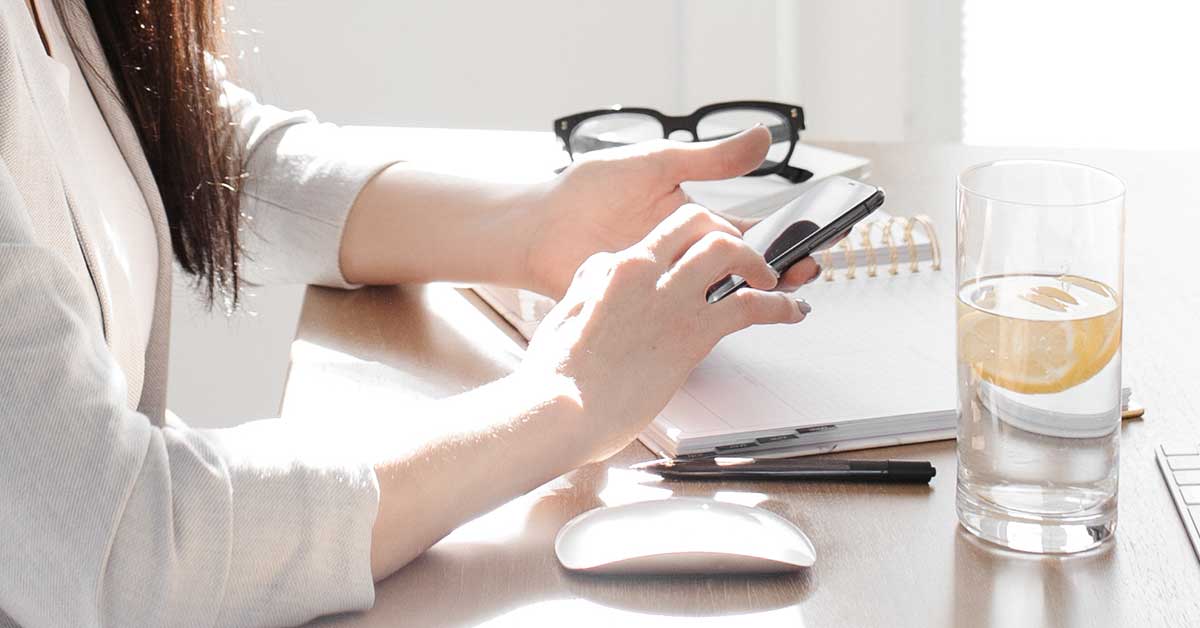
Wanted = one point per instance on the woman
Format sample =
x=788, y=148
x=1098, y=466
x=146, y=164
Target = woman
x=122, y=147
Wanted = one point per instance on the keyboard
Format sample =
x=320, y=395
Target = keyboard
x=1180, y=465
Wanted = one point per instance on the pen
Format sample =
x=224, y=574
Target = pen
x=794, y=469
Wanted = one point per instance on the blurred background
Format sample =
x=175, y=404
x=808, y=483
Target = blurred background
x=1068, y=73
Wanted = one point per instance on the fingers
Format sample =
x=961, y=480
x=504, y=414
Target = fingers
x=802, y=272
x=679, y=198
x=718, y=159
x=683, y=228
x=742, y=224
x=748, y=307
x=715, y=256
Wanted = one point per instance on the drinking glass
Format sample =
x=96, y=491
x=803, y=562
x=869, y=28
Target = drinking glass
x=1039, y=276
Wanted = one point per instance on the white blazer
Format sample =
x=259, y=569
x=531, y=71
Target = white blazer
x=110, y=516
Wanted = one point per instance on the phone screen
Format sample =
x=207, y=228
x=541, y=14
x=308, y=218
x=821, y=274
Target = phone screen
x=800, y=219
x=779, y=235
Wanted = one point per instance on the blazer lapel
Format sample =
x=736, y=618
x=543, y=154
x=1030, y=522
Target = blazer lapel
x=99, y=77
x=37, y=156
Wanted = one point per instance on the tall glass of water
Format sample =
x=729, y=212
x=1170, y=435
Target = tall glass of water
x=1040, y=271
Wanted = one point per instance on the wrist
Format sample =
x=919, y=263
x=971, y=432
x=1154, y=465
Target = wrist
x=555, y=403
x=410, y=225
x=505, y=233
x=534, y=224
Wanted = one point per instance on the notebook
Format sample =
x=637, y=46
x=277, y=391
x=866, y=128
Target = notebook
x=873, y=365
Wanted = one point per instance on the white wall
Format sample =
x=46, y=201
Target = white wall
x=520, y=64
x=456, y=63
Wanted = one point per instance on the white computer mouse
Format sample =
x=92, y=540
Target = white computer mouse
x=682, y=535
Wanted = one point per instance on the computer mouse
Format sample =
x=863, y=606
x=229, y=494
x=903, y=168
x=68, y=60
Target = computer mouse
x=682, y=535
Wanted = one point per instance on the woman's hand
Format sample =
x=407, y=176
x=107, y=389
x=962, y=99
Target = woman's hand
x=633, y=324
x=604, y=362
x=409, y=225
x=613, y=198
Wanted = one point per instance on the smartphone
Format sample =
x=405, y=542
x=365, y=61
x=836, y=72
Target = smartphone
x=806, y=225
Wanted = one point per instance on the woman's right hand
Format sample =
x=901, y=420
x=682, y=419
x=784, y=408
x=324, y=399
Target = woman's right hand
x=634, y=323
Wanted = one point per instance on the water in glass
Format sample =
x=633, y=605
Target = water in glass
x=1039, y=367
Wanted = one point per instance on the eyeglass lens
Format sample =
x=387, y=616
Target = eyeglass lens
x=622, y=128
x=614, y=129
x=727, y=122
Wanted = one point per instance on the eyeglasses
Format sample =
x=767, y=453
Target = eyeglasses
x=620, y=126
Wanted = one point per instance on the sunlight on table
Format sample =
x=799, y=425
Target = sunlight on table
x=584, y=613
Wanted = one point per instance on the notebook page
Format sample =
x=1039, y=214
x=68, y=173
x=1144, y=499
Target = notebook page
x=873, y=347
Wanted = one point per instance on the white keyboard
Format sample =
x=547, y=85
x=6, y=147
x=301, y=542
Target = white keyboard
x=1180, y=466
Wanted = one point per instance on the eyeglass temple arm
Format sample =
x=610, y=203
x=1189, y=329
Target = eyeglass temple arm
x=589, y=144
x=787, y=171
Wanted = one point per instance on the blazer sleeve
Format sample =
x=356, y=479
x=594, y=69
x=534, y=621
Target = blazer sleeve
x=302, y=179
x=108, y=520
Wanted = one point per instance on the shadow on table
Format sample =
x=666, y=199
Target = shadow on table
x=997, y=587
x=694, y=595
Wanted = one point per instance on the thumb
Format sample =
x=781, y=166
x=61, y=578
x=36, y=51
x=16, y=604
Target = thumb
x=717, y=159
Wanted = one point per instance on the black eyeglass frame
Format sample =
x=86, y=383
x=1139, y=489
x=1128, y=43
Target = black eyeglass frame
x=793, y=115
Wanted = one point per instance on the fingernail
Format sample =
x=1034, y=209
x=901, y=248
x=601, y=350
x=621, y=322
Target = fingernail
x=804, y=306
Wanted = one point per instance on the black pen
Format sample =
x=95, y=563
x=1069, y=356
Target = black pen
x=794, y=469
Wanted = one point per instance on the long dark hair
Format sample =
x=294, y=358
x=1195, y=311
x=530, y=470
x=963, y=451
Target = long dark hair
x=160, y=53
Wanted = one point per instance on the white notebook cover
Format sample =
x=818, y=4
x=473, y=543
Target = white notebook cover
x=874, y=350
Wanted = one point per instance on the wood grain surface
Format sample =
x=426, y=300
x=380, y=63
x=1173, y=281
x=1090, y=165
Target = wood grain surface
x=887, y=555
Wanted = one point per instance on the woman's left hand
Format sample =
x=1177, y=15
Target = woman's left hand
x=611, y=199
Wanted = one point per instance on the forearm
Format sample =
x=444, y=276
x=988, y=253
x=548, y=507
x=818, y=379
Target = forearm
x=496, y=442
x=411, y=226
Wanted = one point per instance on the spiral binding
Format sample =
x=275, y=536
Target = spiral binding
x=863, y=231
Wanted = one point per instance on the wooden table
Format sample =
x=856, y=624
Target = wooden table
x=887, y=555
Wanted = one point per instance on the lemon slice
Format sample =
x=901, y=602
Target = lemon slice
x=1037, y=356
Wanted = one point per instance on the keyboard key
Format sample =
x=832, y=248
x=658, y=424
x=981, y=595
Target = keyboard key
x=1188, y=477
x=1183, y=462
x=1184, y=471
x=1181, y=449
